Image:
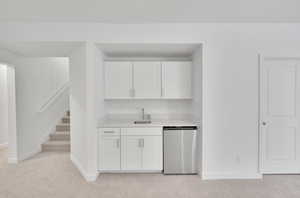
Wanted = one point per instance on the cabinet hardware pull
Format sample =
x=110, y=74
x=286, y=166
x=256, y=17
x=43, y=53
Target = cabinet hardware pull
x=142, y=143
x=132, y=92
x=108, y=131
x=118, y=143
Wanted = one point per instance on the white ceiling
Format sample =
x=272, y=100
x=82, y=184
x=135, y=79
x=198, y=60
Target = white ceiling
x=148, y=11
x=40, y=49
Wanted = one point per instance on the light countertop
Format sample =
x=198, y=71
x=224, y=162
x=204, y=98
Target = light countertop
x=155, y=123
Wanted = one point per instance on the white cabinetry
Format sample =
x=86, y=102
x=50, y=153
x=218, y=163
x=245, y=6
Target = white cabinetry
x=147, y=79
x=141, y=150
x=118, y=80
x=132, y=153
x=109, y=149
x=176, y=79
x=152, y=153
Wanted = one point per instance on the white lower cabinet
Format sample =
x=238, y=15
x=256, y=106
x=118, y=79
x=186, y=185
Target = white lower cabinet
x=131, y=153
x=140, y=150
x=152, y=158
x=110, y=153
x=109, y=149
x=141, y=153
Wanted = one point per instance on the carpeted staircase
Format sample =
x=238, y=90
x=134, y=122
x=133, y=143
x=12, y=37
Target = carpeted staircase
x=60, y=140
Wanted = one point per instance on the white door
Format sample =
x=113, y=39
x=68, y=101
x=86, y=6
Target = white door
x=110, y=153
x=176, y=79
x=118, y=79
x=280, y=108
x=152, y=153
x=147, y=79
x=131, y=152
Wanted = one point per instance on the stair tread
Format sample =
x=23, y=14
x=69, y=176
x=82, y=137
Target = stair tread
x=63, y=124
x=61, y=133
x=57, y=143
x=60, y=139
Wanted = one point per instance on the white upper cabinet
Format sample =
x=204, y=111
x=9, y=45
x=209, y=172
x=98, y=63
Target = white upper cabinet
x=176, y=79
x=118, y=79
x=147, y=79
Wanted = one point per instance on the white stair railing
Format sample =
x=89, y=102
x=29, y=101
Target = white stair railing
x=54, y=97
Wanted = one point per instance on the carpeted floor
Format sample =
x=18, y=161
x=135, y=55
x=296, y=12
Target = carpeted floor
x=53, y=175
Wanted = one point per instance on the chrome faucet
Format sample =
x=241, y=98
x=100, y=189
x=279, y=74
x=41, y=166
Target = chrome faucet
x=146, y=118
x=143, y=114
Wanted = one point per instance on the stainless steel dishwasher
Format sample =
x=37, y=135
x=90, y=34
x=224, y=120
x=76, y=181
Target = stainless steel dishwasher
x=180, y=150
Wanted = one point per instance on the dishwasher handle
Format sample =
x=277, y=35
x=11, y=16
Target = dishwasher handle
x=179, y=128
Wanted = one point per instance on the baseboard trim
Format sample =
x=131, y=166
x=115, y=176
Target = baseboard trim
x=130, y=171
x=230, y=175
x=12, y=160
x=87, y=176
x=3, y=145
x=30, y=154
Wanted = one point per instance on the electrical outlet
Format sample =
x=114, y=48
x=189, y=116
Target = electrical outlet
x=238, y=159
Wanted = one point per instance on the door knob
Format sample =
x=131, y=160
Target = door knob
x=264, y=123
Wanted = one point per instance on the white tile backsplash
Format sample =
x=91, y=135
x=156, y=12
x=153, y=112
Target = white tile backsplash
x=159, y=109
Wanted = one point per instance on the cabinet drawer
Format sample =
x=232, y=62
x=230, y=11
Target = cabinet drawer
x=141, y=131
x=110, y=131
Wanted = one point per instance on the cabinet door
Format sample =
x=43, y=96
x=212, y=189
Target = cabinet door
x=110, y=153
x=152, y=153
x=131, y=153
x=118, y=79
x=177, y=79
x=147, y=79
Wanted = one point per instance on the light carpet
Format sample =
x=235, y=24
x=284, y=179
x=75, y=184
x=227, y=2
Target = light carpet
x=52, y=175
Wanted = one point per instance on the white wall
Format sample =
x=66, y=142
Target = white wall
x=84, y=92
x=37, y=80
x=197, y=85
x=9, y=59
x=78, y=107
x=230, y=70
x=157, y=108
x=99, y=64
x=3, y=106
x=197, y=100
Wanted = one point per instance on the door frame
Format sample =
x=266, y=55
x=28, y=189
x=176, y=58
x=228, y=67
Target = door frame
x=261, y=58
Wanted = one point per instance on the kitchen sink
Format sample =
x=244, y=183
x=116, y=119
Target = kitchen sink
x=142, y=122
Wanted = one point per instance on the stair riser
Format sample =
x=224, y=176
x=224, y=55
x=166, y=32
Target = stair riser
x=59, y=137
x=63, y=128
x=66, y=120
x=60, y=140
x=55, y=148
